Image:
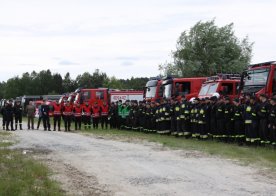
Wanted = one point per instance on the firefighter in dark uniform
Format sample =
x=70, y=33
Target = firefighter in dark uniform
x=194, y=118
x=228, y=135
x=157, y=116
x=213, y=120
x=178, y=121
x=263, y=112
x=202, y=120
x=112, y=113
x=146, y=127
x=9, y=114
x=45, y=109
x=251, y=122
x=167, y=117
x=4, y=115
x=152, y=117
x=18, y=111
x=77, y=112
x=220, y=119
x=238, y=130
x=272, y=122
x=185, y=118
x=135, y=118
x=173, y=116
x=57, y=115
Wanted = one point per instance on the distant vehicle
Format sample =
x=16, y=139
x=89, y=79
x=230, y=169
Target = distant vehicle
x=222, y=84
x=100, y=95
x=51, y=97
x=177, y=87
x=259, y=79
x=153, y=89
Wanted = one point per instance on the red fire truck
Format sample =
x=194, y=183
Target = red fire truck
x=259, y=79
x=104, y=94
x=222, y=84
x=175, y=87
x=153, y=89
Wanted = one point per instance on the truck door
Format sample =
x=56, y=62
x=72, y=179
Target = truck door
x=274, y=83
x=183, y=88
x=227, y=89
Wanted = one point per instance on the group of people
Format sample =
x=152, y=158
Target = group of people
x=77, y=113
x=249, y=120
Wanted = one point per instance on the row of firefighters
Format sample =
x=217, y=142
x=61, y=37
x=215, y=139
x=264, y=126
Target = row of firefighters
x=250, y=120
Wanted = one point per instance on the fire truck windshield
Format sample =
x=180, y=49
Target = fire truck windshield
x=208, y=89
x=256, y=77
x=151, y=91
x=167, y=90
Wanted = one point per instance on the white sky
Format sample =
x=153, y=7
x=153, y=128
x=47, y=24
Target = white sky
x=123, y=38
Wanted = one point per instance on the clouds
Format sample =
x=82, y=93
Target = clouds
x=122, y=38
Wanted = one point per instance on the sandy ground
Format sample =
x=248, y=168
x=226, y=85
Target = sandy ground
x=97, y=166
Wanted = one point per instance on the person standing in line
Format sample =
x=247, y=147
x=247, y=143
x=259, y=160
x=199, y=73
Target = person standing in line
x=67, y=114
x=9, y=112
x=77, y=111
x=104, y=115
x=45, y=109
x=18, y=109
x=57, y=115
x=4, y=115
x=96, y=110
x=30, y=110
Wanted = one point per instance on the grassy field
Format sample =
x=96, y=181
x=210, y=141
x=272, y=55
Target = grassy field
x=260, y=156
x=21, y=175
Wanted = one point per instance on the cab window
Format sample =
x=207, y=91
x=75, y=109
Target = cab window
x=227, y=88
x=100, y=95
x=274, y=82
x=184, y=88
x=86, y=95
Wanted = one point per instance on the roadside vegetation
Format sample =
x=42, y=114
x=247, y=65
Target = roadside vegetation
x=21, y=175
x=260, y=156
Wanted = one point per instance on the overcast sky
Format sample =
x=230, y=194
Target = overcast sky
x=123, y=38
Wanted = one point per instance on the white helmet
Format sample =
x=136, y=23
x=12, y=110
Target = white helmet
x=192, y=100
x=216, y=95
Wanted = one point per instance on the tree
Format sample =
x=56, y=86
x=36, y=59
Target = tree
x=208, y=49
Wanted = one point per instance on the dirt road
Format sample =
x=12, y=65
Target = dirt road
x=96, y=166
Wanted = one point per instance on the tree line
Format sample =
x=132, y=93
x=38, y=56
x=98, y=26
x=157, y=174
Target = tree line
x=45, y=83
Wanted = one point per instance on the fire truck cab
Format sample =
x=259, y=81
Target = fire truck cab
x=259, y=79
x=153, y=89
x=174, y=87
x=91, y=96
x=223, y=84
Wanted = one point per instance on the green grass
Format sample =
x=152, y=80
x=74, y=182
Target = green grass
x=260, y=156
x=21, y=175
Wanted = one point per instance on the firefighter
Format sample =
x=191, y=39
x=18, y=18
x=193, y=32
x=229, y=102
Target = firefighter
x=57, y=115
x=146, y=127
x=45, y=109
x=263, y=116
x=18, y=111
x=238, y=130
x=213, y=119
x=167, y=117
x=104, y=115
x=9, y=113
x=86, y=115
x=96, y=114
x=152, y=115
x=77, y=112
x=135, y=116
x=123, y=114
x=39, y=117
x=272, y=122
x=113, y=115
x=130, y=116
x=4, y=115
x=194, y=117
x=251, y=122
x=228, y=135
x=185, y=119
x=173, y=114
x=119, y=114
x=141, y=114
x=157, y=117
x=220, y=119
x=126, y=115
x=67, y=115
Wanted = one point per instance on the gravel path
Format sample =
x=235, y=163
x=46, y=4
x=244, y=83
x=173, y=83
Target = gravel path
x=97, y=166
